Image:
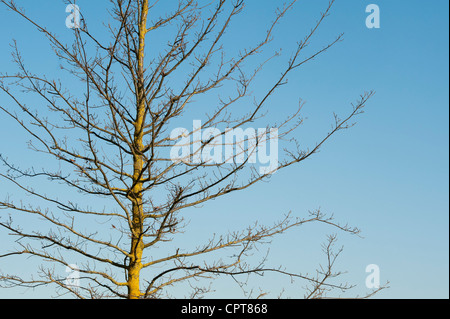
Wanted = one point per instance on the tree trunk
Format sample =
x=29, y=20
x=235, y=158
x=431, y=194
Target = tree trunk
x=137, y=245
x=135, y=265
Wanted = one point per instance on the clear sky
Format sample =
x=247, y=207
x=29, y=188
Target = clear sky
x=388, y=175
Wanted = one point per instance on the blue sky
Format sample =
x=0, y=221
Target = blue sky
x=388, y=175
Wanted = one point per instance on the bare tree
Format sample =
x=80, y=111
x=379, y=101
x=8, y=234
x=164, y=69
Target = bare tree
x=112, y=144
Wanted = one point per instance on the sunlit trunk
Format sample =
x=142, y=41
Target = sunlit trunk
x=137, y=245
